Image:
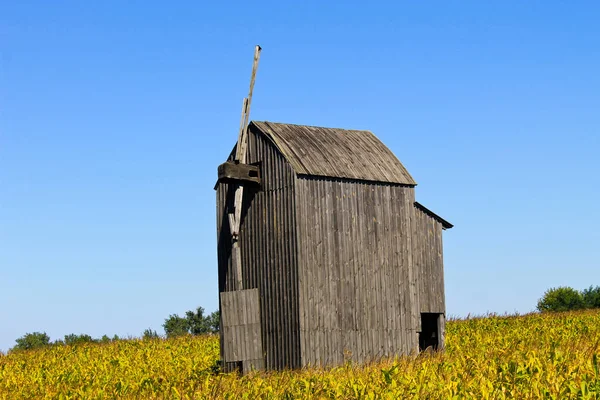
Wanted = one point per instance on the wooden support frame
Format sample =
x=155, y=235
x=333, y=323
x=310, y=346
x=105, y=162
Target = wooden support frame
x=235, y=215
x=232, y=172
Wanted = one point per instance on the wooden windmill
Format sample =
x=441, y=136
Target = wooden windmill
x=323, y=252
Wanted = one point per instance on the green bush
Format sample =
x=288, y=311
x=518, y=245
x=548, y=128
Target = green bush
x=591, y=297
x=104, y=339
x=176, y=326
x=32, y=341
x=561, y=299
x=78, y=339
x=150, y=334
x=194, y=323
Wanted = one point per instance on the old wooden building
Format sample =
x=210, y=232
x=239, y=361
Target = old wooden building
x=337, y=260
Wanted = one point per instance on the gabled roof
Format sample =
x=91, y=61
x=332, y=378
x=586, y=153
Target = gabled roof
x=336, y=153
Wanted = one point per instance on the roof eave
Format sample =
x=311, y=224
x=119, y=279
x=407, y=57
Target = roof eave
x=445, y=224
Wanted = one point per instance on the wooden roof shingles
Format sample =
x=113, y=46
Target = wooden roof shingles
x=335, y=153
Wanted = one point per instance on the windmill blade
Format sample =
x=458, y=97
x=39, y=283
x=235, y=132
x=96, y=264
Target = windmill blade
x=242, y=138
x=243, y=134
x=235, y=215
x=241, y=150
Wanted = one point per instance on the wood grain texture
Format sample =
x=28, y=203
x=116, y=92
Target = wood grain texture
x=267, y=240
x=240, y=313
x=343, y=266
x=355, y=300
x=428, y=260
x=337, y=153
x=238, y=173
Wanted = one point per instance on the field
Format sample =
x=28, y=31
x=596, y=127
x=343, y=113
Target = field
x=526, y=357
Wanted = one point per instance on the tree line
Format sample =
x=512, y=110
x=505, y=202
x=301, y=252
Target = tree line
x=564, y=298
x=557, y=299
x=192, y=323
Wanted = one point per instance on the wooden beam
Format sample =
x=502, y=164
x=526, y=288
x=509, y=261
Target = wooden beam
x=243, y=138
x=239, y=151
x=236, y=255
x=241, y=155
x=243, y=143
x=230, y=172
x=233, y=226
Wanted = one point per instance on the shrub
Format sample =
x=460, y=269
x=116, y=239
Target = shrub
x=194, y=323
x=591, y=297
x=32, y=341
x=561, y=299
x=150, y=334
x=176, y=326
x=78, y=339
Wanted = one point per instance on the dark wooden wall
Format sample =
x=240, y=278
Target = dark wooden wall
x=268, y=245
x=358, y=294
x=428, y=260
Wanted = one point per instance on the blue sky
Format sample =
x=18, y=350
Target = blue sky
x=114, y=118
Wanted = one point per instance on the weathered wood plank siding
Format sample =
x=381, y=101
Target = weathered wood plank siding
x=334, y=152
x=341, y=257
x=268, y=246
x=357, y=287
x=240, y=311
x=428, y=260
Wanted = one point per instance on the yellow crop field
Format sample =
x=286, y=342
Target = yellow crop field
x=527, y=357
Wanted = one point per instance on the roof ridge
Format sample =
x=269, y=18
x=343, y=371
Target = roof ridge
x=312, y=126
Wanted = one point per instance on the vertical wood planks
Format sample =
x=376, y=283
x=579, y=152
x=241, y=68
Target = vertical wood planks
x=240, y=314
x=355, y=274
x=427, y=250
x=341, y=268
x=268, y=252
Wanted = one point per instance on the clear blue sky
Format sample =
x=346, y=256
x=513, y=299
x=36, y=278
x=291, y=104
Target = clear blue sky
x=114, y=118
